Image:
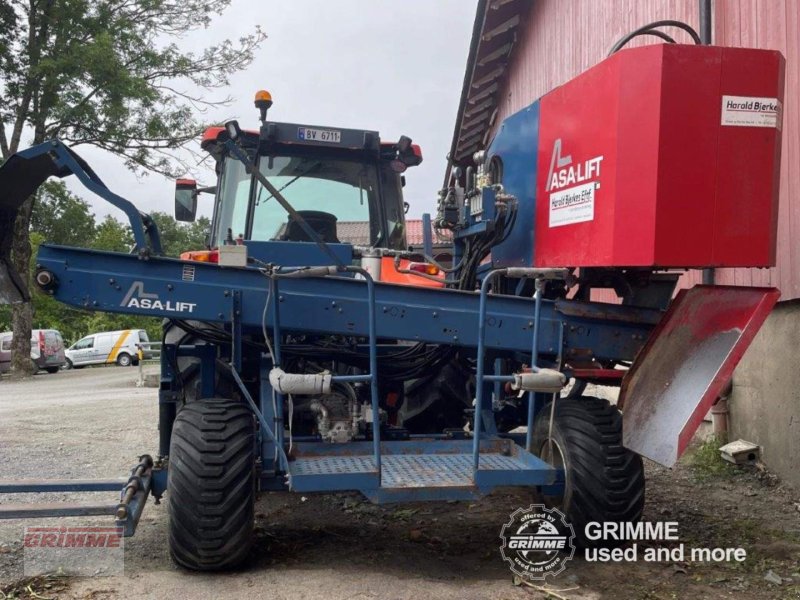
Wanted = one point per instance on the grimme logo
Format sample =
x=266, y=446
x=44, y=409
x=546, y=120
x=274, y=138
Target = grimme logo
x=537, y=542
x=73, y=537
x=83, y=551
x=138, y=298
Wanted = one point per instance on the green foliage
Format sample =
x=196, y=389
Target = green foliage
x=113, y=235
x=106, y=73
x=707, y=463
x=61, y=217
x=179, y=237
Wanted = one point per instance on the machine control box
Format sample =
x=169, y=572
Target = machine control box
x=660, y=156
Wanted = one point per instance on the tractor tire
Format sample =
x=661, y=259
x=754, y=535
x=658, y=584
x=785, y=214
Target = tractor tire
x=603, y=480
x=212, y=485
x=124, y=359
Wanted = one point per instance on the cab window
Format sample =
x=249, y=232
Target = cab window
x=232, y=202
x=84, y=344
x=395, y=211
x=342, y=192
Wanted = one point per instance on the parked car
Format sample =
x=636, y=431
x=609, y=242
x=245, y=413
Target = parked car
x=47, y=350
x=109, y=347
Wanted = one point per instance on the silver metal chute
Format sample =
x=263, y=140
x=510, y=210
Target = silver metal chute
x=688, y=360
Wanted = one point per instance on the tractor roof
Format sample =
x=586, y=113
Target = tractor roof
x=297, y=135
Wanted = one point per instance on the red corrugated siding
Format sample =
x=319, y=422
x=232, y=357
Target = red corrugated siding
x=562, y=38
x=772, y=24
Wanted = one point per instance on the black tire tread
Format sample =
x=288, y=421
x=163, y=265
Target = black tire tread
x=606, y=480
x=211, y=485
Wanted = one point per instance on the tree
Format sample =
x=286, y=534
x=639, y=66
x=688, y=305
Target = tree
x=106, y=73
x=61, y=217
x=180, y=237
x=113, y=235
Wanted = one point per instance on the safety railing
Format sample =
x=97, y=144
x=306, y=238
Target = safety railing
x=539, y=276
x=371, y=377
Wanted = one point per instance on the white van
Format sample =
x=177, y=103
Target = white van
x=109, y=347
x=47, y=350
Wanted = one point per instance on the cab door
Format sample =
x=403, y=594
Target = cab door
x=82, y=351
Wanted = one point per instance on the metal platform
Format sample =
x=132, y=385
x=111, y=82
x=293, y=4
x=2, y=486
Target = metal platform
x=441, y=469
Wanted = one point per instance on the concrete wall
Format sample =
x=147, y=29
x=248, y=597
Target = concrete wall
x=765, y=404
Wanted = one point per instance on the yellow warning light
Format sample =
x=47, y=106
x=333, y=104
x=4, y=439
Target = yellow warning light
x=263, y=95
x=263, y=102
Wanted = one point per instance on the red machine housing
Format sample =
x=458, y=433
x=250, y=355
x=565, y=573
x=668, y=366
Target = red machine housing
x=662, y=156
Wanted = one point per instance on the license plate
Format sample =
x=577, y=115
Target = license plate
x=309, y=134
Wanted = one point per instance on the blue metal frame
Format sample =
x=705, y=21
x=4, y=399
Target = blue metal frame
x=133, y=493
x=325, y=467
x=101, y=281
x=371, y=377
x=328, y=300
x=66, y=161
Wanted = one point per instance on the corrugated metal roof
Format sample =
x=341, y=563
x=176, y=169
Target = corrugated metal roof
x=494, y=37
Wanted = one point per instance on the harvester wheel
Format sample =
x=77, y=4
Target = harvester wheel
x=604, y=480
x=211, y=484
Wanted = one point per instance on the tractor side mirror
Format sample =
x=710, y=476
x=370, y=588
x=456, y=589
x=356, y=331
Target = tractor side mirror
x=185, y=200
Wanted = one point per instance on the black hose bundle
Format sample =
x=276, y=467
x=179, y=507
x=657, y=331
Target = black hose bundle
x=652, y=29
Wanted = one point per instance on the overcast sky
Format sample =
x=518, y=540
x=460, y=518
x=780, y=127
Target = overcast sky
x=392, y=65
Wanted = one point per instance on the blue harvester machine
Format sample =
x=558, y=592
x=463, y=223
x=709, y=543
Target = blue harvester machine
x=309, y=349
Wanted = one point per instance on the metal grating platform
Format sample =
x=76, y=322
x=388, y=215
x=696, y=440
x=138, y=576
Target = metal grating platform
x=420, y=469
x=332, y=465
x=408, y=470
x=439, y=470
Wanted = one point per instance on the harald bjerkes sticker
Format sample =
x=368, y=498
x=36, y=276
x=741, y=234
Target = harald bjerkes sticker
x=537, y=542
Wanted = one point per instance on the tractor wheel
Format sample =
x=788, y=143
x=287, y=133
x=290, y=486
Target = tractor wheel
x=211, y=485
x=603, y=480
x=124, y=359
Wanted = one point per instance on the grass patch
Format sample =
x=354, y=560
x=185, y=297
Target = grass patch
x=706, y=462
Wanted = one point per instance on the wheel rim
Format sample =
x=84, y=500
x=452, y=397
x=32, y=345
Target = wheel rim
x=124, y=360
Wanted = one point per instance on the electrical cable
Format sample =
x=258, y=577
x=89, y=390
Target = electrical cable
x=264, y=322
x=651, y=29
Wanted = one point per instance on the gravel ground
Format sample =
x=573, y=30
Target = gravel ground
x=95, y=422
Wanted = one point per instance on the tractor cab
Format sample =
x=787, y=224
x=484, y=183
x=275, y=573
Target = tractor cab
x=345, y=184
